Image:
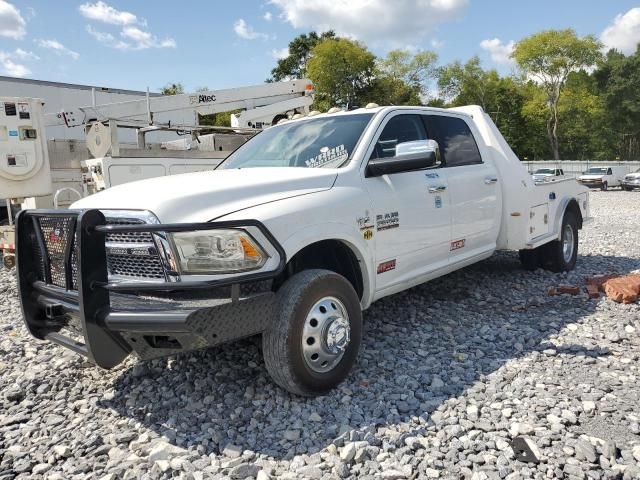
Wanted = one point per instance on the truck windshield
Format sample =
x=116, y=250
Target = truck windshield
x=599, y=170
x=544, y=171
x=313, y=143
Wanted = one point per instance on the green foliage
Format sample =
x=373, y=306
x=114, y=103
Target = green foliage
x=549, y=57
x=415, y=71
x=599, y=112
x=586, y=132
x=464, y=84
x=618, y=83
x=385, y=90
x=221, y=119
x=172, y=89
x=295, y=64
x=341, y=70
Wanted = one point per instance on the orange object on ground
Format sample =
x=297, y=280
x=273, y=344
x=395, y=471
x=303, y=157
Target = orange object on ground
x=599, y=280
x=625, y=289
x=570, y=289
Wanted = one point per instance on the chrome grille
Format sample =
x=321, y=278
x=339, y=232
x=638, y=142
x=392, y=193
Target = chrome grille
x=135, y=266
x=128, y=237
x=148, y=266
x=129, y=254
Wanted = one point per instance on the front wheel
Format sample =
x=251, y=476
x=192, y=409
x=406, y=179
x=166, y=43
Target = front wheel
x=605, y=186
x=314, y=339
x=561, y=255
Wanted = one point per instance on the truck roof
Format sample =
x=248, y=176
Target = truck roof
x=379, y=109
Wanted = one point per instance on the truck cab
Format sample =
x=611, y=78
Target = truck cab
x=291, y=237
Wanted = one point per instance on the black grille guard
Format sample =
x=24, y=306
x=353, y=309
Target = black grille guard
x=47, y=306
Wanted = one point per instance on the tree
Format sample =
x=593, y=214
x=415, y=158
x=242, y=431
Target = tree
x=465, y=84
x=341, y=70
x=502, y=98
x=294, y=65
x=414, y=70
x=618, y=80
x=587, y=133
x=387, y=90
x=549, y=57
x=172, y=89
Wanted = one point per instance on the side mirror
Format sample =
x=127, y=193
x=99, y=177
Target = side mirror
x=416, y=155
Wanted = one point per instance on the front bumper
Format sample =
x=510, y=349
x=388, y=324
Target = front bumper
x=631, y=184
x=592, y=183
x=106, y=321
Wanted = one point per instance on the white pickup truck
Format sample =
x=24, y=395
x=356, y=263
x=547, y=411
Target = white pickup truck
x=547, y=175
x=291, y=237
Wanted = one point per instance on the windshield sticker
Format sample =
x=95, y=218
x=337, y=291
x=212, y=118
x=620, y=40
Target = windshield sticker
x=387, y=266
x=387, y=221
x=328, y=155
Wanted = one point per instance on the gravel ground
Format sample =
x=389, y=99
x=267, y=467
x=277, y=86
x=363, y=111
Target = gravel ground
x=450, y=373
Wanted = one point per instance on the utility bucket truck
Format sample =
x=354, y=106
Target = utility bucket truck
x=115, y=162
x=295, y=234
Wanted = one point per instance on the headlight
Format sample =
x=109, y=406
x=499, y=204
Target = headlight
x=217, y=251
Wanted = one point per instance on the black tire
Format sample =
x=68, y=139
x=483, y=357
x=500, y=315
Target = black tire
x=530, y=259
x=282, y=341
x=627, y=189
x=552, y=254
x=605, y=187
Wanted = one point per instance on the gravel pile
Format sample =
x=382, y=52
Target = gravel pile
x=451, y=372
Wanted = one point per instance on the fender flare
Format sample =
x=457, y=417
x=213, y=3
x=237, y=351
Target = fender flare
x=562, y=209
x=351, y=237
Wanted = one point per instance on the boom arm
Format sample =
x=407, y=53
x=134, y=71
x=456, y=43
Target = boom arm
x=205, y=103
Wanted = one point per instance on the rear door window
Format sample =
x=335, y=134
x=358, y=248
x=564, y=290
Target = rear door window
x=457, y=145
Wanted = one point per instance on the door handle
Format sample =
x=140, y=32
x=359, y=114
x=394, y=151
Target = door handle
x=438, y=189
x=490, y=180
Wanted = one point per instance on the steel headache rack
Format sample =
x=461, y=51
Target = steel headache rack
x=68, y=298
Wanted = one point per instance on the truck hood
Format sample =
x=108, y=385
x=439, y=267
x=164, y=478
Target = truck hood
x=634, y=176
x=599, y=176
x=204, y=196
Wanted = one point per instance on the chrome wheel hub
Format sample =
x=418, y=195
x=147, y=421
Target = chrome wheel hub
x=326, y=334
x=567, y=243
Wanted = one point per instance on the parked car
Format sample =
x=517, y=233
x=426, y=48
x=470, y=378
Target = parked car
x=603, y=177
x=547, y=174
x=293, y=236
x=631, y=181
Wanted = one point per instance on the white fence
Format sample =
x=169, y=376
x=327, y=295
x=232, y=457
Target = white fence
x=577, y=167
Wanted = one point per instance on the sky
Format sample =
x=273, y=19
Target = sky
x=137, y=44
